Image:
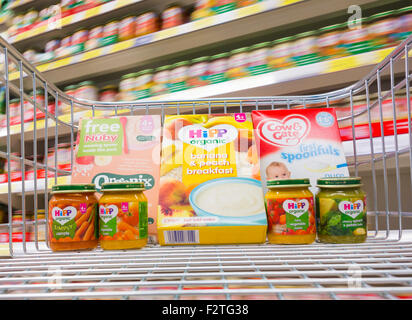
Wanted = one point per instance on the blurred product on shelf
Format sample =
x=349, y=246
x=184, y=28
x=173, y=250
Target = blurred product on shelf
x=108, y=93
x=161, y=80
x=198, y=72
x=62, y=157
x=110, y=33
x=178, y=76
x=127, y=28
x=238, y=63
x=143, y=83
x=147, y=22
x=258, y=58
x=172, y=16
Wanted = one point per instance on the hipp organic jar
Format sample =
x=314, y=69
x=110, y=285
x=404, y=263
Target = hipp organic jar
x=199, y=72
x=178, y=76
x=258, y=58
x=218, y=67
x=123, y=216
x=146, y=23
x=238, y=63
x=330, y=40
x=73, y=217
x=127, y=28
x=341, y=213
x=143, y=83
x=290, y=211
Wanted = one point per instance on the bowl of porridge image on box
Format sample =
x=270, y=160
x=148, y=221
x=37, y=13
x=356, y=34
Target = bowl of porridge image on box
x=209, y=188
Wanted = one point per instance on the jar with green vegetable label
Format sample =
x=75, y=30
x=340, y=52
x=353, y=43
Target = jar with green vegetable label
x=341, y=210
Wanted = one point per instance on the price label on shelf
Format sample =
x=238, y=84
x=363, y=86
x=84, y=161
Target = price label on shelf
x=342, y=64
x=203, y=23
x=249, y=10
x=167, y=33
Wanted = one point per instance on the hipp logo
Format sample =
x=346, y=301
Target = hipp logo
x=62, y=216
x=107, y=213
x=208, y=138
x=296, y=208
x=351, y=209
x=211, y=133
x=296, y=205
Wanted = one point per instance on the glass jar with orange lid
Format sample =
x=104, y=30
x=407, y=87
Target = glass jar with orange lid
x=123, y=220
x=72, y=223
x=290, y=212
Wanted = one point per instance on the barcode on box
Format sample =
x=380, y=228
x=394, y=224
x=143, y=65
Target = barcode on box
x=181, y=236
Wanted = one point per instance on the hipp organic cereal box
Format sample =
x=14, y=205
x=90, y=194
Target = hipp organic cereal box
x=210, y=189
x=302, y=143
x=121, y=149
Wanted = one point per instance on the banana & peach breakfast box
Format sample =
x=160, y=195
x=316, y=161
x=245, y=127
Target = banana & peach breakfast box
x=121, y=149
x=209, y=188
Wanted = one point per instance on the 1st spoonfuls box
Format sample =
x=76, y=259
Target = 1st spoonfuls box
x=210, y=190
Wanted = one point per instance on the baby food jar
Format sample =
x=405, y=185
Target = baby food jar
x=86, y=90
x=258, y=58
x=14, y=108
x=30, y=17
x=143, y=83
x=330, y=41
x=222, y=6
x=127, y=28
x=178, y=76
x=218, y=67
x=126, y=86
x=123, y=216
x=405, y=17
x=199, y=72
x=305, y=49
x=146, y=23
x=52, y=45
x=357, y=40
x=161, y=80
x=73, y=217
x=245, y=3
x=95, y=36
x=341, y=210
x=80, y=36
x=381, y=26
x=238, y=63
x=203, y=9
x=110, y=33
x=66, y=42
x=108, y=93
x=172, y=16
x=280, y=55
x=290, y=212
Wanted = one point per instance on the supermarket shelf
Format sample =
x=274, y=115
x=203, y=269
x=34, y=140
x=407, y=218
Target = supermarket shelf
x=282, y=82
x=263, y=16
x=20, y=5
x=43, y=29
x=29, y=186
x=373, y=270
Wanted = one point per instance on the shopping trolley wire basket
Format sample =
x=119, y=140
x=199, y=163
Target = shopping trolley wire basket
x=385, y=167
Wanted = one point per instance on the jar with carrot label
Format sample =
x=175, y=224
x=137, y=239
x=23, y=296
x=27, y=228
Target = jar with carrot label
x=341, y=210
x=123, y=216
x=147, y=22
x=72, y=223
x=280, y=55
x=290, y=212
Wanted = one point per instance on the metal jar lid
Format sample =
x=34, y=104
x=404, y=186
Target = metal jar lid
x=342, y=182
x=122, y=186
x=73, y=188
x=285, y=183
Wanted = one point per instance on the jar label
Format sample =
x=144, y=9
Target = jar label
x=123, y=221
x=291, y=216
x=341, y=217
x=73, y=223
